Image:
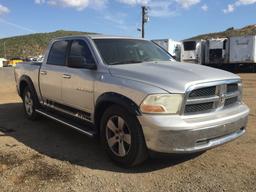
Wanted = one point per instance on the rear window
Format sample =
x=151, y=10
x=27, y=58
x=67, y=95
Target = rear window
x=57, y=55
x=189, y=45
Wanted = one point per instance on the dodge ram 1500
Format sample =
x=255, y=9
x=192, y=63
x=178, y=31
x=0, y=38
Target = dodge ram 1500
x=137, y=98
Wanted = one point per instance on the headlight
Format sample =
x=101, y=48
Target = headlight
x=162, y=104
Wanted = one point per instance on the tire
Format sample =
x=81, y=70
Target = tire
x=122, y=137
x=30, y=103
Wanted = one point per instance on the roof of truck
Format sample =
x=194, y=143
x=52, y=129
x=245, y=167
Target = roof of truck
x=98, y=36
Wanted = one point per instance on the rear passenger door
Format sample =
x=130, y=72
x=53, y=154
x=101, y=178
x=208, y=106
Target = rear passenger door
x=51, y=72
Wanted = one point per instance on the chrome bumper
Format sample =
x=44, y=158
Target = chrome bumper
x=190, y=134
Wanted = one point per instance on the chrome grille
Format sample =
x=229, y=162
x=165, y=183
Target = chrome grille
x=207, y=91
x=198, y=107
x=231, y=101
x=211, y=96
x=232, y=87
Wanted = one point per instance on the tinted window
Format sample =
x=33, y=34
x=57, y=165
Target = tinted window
x=189, y=45
x=127, y=51
x=79, y=48
x=57, y=55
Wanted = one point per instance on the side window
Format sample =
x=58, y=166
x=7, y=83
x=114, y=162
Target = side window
x=80, y=49
x=57, y=55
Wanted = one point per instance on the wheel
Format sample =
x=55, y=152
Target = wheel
x=122, y=137
x=29, y=104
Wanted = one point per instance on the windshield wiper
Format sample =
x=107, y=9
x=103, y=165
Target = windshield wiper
x=125, y=62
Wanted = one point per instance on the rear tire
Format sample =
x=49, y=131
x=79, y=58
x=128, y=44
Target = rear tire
x=30, y=103
x=122, y=137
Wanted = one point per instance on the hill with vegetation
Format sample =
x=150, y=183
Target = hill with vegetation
x=31, y=45
x=230, y=32
x=34, y=45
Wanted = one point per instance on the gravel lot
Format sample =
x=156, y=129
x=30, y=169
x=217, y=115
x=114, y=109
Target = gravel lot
x=46, y=156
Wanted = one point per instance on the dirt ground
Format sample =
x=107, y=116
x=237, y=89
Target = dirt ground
x=47, y=156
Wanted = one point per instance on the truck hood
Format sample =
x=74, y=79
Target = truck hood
x=173, y=77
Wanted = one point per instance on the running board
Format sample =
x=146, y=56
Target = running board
x=64, y=121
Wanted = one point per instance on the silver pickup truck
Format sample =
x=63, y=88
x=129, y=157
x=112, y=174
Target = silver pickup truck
x=135, y=96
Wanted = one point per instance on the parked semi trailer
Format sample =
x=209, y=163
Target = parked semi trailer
x=192, y=51
x=216, y=51
x=243, y=51
x=232, y=53
x=170, y=45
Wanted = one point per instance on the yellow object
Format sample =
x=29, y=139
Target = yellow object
x=14, y=62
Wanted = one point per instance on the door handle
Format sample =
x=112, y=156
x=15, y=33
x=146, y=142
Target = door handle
x=66, y=76
x=43, y=72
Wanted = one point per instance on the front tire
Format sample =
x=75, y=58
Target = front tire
x=122, y=137
x=29, y=104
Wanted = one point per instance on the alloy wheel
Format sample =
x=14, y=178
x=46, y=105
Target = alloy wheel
x=118, y=136
x=28, y=103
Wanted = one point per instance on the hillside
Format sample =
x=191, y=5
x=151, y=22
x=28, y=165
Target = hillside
x=35, y=44
x=248, y=30
x=31, y=45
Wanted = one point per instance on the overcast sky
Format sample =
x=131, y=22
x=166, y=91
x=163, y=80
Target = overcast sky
x=176, y=19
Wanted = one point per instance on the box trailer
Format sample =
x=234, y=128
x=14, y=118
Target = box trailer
x=192, y=51
x=242, y=50
x=170, y=45
x=216, y=51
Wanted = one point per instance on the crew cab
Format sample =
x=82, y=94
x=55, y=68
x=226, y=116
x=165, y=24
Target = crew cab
x=135, y=96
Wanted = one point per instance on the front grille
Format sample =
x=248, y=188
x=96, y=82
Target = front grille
x=232, y=87
x=203, y=92
x=198, y=107
x=211, y=98
x=231, y=101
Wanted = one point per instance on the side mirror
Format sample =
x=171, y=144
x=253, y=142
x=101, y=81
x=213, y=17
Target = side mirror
x=80, y=62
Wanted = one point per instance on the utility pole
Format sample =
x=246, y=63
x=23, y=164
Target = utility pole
x=145, y=19
x=4, y=51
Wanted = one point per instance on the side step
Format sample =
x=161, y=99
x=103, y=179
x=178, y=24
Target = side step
x=66, y=121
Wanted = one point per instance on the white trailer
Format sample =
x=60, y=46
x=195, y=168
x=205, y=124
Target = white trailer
x=243, y=50
x=216, y=51
x=2, y=60
x=172, y=46
x=192, y=51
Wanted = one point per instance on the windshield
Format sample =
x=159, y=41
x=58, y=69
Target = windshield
x=127, y=51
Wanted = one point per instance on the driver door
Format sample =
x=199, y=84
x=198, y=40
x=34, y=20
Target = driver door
x=78, y=83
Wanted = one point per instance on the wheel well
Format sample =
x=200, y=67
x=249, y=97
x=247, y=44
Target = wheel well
x=26, y=82
x=99, y=111
x=23, y=85
x=108, y=99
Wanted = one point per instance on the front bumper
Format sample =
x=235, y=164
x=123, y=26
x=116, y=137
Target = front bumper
x=190, y=134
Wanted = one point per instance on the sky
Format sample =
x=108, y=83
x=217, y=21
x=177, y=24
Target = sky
x=176, y=19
